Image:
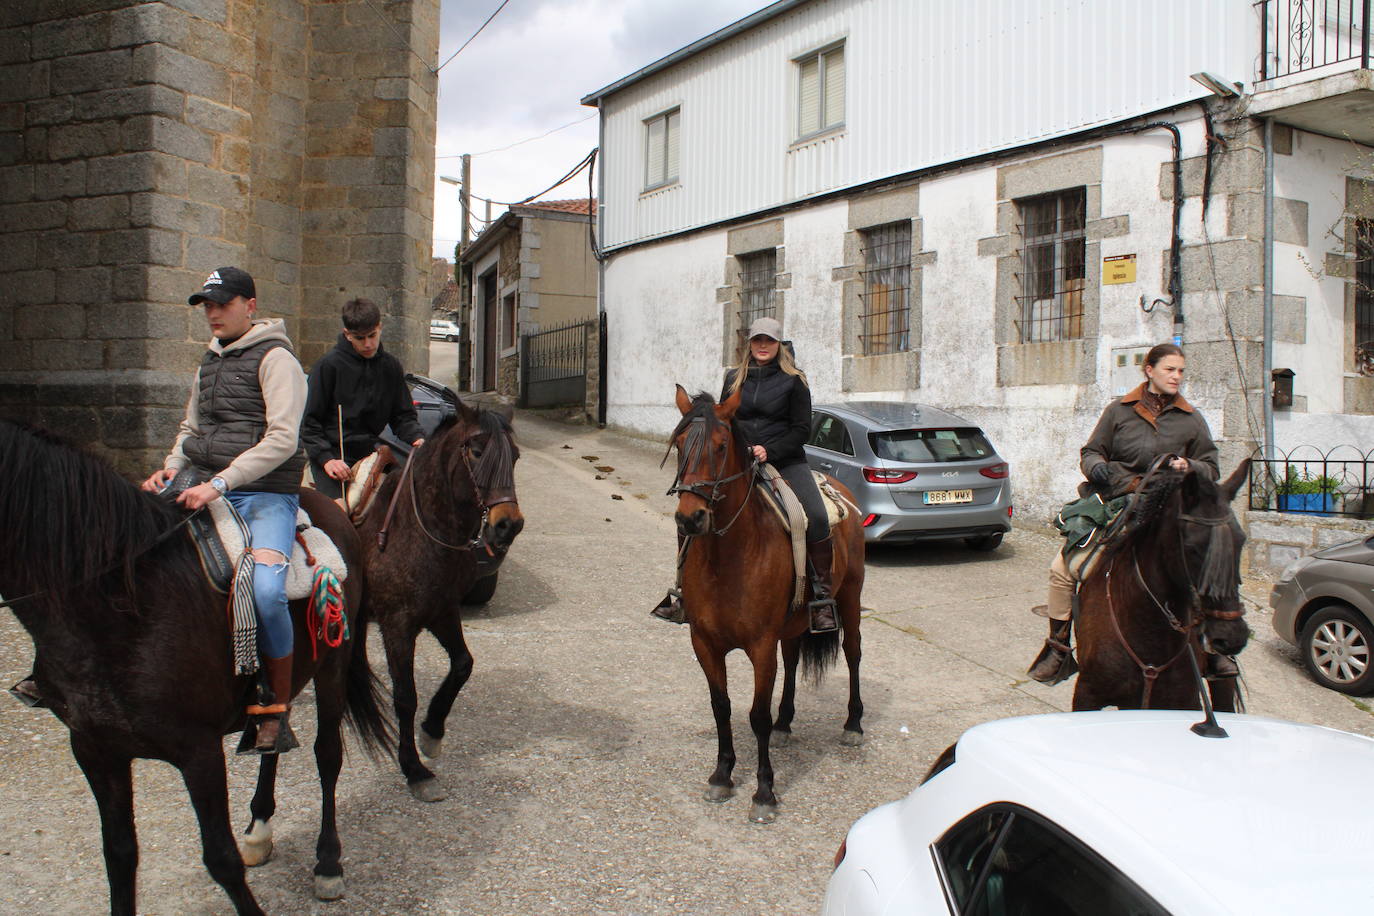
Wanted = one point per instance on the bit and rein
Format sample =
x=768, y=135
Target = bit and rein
x=715, y=485
x=476, y=541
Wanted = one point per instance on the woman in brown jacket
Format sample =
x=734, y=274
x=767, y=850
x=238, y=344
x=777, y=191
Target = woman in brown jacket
x=1152, y=420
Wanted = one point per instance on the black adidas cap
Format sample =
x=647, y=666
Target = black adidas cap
x=224, y=284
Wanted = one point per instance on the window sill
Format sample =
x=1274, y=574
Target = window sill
x=660, y=189
x=830, y=133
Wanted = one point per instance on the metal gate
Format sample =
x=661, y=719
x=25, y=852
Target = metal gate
x=553, y=366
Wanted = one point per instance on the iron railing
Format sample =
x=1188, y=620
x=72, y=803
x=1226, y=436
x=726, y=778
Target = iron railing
x=1339, y=481
x=553, y=365
x=1301, y=35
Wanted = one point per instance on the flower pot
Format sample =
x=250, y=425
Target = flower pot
x=1312, y=503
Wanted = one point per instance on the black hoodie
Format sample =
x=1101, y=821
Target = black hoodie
x=372, y=392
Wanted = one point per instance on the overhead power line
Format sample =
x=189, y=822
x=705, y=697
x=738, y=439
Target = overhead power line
x=474, y=35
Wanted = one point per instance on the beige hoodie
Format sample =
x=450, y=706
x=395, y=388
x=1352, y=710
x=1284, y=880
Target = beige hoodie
x=283, y=391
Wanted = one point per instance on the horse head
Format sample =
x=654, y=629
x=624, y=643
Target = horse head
x=481, y=446
x=1210, y=540
x=709, y=459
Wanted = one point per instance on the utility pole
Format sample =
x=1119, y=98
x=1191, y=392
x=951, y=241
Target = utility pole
x=465, y=197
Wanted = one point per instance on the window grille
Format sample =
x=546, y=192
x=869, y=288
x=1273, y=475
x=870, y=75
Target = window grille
x=1364, y=296
x=885, y=319
x=1053, y=266
x=661, y=149
x=757, y=279
x=820, y=96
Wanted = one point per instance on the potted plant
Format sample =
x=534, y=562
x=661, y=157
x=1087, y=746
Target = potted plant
x=1304, y=493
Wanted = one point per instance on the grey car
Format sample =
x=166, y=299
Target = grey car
x=917, y=472
x=1324, y=605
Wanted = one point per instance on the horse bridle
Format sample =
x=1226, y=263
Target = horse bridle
x=478, y=541
x=716, y=485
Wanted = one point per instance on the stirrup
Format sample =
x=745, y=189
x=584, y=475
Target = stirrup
x=820, y=606
x=671, y=608
x=1067, y=667
x=286, y=738
x=27, y=692
x=1221, y=667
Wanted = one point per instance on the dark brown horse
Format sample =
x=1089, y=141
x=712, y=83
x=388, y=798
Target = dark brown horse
x=448, y=517
x=133, y=653
x=1167, y=585
x=737, y=586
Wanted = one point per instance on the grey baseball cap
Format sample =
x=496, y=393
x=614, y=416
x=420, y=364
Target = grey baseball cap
x=766, y=327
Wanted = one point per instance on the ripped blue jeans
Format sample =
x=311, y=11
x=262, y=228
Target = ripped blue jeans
x=271, y=520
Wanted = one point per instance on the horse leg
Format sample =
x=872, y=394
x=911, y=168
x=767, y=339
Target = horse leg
x=329, y=701
x=1223, y=694
x=111, y=781
x=400, y=661
x=256, y=846
x=712, y=662
x=787, y=709
x=449, y=631
x=764, y=655
x=203, y=773
x=853, y=734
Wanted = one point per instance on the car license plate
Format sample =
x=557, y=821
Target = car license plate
x=946, y=497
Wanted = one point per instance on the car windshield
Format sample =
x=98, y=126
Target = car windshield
x=961, y=444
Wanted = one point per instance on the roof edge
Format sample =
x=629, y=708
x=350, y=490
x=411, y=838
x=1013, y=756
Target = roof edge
x=663, y=63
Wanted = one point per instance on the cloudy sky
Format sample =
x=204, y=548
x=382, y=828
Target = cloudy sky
x=523, y=77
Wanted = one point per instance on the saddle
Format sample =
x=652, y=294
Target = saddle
x=778, y=495
x=368, y=475
x=221, y=539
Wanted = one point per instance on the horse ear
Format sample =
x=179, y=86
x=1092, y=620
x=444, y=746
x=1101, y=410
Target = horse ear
x=1237, y=479
x=727, y=407
x=684, y=403
x=466, y=414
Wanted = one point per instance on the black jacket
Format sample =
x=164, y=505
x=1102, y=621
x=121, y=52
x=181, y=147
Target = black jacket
x=774, y=411
x=372, y=392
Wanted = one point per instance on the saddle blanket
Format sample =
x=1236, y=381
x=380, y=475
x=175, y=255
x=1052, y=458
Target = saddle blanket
x=837, y=508
x=300, y=575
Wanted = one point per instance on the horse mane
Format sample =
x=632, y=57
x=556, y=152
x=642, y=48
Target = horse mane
x=67, y=517
x=495, y=470
x=703, y=408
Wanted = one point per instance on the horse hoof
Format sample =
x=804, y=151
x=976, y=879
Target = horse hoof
x=329, y=887
x=719, y=793
x=781, y=739
x=762, y=814
x=256, y=847
x=430, y=746
x=428, y=790
x=851, y=738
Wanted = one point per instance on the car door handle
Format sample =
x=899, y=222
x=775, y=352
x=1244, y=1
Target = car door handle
x=827, y=465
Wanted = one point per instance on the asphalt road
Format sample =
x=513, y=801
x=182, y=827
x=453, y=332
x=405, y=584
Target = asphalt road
x=578, y=753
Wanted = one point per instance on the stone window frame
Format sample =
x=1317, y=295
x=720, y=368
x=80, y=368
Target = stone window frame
x=740, y=243
x=1357, y=390
x=899, y=371
x=1065, y=362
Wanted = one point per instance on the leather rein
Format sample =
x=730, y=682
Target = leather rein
x=407, y=482
x=716, y=485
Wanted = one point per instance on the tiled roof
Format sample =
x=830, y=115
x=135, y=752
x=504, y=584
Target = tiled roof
x=582, y=205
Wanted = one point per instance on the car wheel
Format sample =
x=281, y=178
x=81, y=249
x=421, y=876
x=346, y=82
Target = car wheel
x=1336, y=646
x=985, y=542
x=451, y=338
x=482, y=590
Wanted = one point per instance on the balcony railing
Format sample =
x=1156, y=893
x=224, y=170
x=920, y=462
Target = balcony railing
x=1302, y=35
x=1306, y=480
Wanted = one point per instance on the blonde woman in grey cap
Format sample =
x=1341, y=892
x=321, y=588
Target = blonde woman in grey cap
x=775, y=417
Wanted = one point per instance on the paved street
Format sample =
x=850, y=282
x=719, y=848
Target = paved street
x=579, y=751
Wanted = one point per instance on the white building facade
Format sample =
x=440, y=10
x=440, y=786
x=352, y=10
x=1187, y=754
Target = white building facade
x=973, y=206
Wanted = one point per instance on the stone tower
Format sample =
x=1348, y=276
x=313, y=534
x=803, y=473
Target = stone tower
x=143, y=144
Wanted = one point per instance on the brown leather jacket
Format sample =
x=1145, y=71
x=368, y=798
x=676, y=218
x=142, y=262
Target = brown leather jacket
x=1128, y=440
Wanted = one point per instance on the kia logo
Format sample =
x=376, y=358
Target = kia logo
x=949, y=474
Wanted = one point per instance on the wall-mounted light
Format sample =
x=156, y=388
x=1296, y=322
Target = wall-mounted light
x=448, y=179
x=1221, y=86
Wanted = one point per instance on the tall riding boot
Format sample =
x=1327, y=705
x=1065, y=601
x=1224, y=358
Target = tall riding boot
x=1055, y=661
x=274, y=735
x=671, y=608
x=821, y=554
x=1220, y=667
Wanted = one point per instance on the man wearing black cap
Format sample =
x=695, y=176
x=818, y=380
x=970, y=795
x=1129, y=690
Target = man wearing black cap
x=241, y=432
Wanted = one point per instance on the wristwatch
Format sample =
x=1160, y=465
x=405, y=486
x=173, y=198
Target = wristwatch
x=219, y=484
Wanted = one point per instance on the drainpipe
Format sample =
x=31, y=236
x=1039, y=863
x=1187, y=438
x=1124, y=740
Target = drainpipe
x=1266, y=382
x=601, y=330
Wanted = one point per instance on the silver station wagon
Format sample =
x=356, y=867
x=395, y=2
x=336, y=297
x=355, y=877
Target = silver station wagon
x=917, y=472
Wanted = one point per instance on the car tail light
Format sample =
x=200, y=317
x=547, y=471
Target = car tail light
x=883, y=475
x=839, y=853
x=1009, y=508
x=870, y=520
x=996, y=471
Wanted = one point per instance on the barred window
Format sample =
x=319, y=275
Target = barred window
x=1053, y=274
x=885, y=319
x=757, y=279
x=661, y=149
x=1364, y=296
x=820, y=95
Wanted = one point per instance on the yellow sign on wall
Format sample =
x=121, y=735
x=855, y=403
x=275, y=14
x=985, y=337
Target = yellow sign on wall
x=1119, y=268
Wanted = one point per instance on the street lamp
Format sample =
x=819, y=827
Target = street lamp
x=1223, y=87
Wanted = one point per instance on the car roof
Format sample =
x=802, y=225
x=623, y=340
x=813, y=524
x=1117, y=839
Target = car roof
x=1250, y=820
x=896, y=414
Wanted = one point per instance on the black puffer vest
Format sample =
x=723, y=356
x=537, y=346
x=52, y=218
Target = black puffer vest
x=233, y=418
x=765, y=411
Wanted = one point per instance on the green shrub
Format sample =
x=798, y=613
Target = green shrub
x=1295, y=484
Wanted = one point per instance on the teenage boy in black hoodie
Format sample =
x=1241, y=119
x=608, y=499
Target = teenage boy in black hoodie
x=370, y=387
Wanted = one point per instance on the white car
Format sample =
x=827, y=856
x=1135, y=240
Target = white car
x=443, y=330
x=1121, y=813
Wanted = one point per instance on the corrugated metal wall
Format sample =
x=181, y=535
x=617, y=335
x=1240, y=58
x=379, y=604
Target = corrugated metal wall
x=928, y=82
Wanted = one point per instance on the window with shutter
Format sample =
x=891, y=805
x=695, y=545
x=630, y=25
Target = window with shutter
x=661, y=149
x=820, y=92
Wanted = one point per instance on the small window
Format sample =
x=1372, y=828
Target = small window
x=963, y=444
x=508, y=321
x=1364, y=296
x=661, y=149
x=758, y=276
x=820, y=92
x=830, y=434
x=886, y=294
x=1053, y=262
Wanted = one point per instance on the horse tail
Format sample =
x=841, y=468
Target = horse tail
x=818, y=654
x=364, y=696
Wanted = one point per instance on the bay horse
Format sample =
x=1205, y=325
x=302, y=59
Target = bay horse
x=133, y=654
x=737, y=587
x=425, y=552
x=1167, y=585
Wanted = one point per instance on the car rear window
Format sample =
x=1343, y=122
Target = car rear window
x=961, y=444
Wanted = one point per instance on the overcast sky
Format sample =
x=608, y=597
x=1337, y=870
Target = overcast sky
x=524, y=75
